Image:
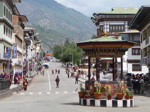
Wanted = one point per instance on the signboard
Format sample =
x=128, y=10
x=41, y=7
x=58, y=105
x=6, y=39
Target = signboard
x=15, y=51
x=6, y=55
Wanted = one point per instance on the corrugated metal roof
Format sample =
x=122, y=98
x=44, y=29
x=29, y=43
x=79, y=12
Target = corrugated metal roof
x=121, y=10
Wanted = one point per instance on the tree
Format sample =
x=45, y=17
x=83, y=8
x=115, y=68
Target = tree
x=67, y=42
x=68, y=53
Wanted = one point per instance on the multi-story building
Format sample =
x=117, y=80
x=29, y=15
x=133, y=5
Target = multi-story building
x=18, y=39
x=6, y=29
x=115, y=23
x=132, y=58
x=141, y=22
x=31, y=52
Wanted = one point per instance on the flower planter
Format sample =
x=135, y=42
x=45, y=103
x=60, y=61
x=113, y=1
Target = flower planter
x=97, y=95
x=131, y=97
x=127, y=97
x=109, y=97
x=87, y=96
x=120, y=96
x=81, y=94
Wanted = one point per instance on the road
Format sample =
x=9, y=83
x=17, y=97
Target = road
x=43, y=96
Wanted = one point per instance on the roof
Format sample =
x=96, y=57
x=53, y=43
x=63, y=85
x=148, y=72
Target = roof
x=23, y=18
x=103, y=39
x=130, y=31
x=121, y=10
x=139, y=18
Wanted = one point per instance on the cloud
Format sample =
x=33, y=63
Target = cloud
x=88, y=7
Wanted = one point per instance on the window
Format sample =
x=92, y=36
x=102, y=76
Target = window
x=136, y=67
x=116, y=28
x=4, y=11
x=136, y=51
x=4, y=29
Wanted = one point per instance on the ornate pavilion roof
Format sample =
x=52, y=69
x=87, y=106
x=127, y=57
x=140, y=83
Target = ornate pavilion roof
x=105, y=47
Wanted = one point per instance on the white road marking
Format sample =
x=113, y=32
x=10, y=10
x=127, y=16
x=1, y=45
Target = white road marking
x=30, y=93
x=57, y=92
x=65, y=92
x=40, y=93
x=48, y=93
x=22, y=93
x=49, y=83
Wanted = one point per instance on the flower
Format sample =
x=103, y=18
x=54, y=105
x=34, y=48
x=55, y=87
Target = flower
x=81, y=88
x=98, y=86
x=87, y=92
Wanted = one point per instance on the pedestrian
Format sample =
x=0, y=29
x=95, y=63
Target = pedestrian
x=76, y=79
x=25, y=83
x=57, y=82
x=55, y=71
x=52, y=72
x=58, y=71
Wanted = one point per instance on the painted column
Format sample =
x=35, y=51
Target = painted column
x=97, y=69
x=121, y=75
x=113, y=60
x=89, y=68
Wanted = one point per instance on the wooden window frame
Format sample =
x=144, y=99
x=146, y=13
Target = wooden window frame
x=134, y=51
x=136, y=67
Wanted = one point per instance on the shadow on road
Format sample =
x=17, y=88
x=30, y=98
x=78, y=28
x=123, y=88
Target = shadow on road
x=72, y=103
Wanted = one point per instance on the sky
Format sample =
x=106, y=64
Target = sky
x=88, y=7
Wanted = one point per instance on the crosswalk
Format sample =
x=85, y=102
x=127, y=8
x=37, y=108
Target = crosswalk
x=48, y=93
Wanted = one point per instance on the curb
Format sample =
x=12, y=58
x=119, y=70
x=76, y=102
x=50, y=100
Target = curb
x=12, y=91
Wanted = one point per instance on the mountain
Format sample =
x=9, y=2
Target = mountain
x=55, y=22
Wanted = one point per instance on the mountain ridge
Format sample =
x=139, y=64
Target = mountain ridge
x=55, y=22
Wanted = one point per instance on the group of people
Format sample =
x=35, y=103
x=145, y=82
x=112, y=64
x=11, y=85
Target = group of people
x=136, y=82
x=56, y=71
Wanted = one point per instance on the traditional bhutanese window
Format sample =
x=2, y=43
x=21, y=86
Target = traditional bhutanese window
x=136, y=67
x=116, y=28
x=136, y=51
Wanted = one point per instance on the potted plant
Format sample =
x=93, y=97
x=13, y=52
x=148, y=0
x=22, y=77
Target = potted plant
x=98, y=93
x=87, y=94
x=131, y=95
x=128, y=94
x=82, y=91
x=109, y=96
x=121, y=90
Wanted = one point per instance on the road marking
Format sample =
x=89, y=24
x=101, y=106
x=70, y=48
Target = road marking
x=30, y=93
x=22, y=93
x=49, y=83
x=65, y=92
x=14, y=93
x=57, y=92
x=40, y=93
x=48, y=93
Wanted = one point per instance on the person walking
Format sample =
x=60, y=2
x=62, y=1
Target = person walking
x=57, y=82
x=52, y=72
x=76, y=79
x=25, y=83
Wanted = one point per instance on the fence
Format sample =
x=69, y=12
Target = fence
x=4, y=84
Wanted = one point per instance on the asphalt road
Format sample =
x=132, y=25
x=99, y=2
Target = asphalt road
x=43, y=96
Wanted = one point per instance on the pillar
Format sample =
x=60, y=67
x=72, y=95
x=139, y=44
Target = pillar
x=121, y=75
x=89, y=68
x=97, y=69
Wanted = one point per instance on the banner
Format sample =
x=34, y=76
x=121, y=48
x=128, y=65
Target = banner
x=15, y=51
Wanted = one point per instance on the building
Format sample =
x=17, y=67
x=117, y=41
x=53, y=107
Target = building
x=115, y=23
x=132, y=59
x=32, y=50
x=141, y=22
x=18, y=39
x=6, y=29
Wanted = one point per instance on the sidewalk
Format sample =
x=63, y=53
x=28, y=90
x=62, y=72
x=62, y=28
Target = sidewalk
x=14, y=88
